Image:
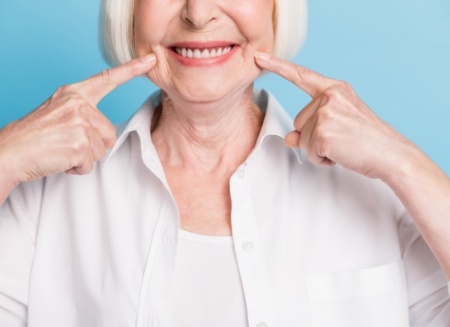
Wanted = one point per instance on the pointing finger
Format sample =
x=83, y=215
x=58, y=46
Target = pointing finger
x=98, y=86
x=309, y=81
x=101, y=125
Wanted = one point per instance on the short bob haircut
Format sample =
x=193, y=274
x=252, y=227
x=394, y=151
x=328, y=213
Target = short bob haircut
x=290, y=20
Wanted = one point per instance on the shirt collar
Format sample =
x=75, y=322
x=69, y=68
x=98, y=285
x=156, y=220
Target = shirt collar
x=139, y=123
x=277, y=123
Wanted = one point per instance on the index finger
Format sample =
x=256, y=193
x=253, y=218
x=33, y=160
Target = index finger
x=98, y=86
x=309, y=81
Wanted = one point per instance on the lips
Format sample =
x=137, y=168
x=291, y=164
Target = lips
x=205, y=53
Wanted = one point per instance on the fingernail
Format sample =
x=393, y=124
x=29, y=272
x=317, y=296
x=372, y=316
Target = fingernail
x=148, y=58
x=262, y=55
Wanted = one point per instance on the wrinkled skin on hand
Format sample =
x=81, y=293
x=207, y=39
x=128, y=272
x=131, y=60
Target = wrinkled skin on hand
x=336, y=127
x=67, y=133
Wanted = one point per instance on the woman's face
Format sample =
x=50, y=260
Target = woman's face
x=204, y=48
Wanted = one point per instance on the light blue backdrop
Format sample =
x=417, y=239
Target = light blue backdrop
x=396, y=54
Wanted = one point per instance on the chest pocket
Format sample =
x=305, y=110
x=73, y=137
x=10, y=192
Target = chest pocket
x=370, y=297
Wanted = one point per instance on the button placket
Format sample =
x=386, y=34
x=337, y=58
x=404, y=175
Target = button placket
x=156, y=281
x=250, y=260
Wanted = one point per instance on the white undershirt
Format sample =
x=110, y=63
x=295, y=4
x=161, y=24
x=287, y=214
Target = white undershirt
x=207, y=289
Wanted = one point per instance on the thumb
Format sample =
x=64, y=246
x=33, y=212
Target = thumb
x=292, y=139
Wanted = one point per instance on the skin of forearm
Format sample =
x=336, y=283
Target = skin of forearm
x=424, y=190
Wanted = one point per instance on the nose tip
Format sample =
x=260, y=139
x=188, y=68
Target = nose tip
x=199, y=13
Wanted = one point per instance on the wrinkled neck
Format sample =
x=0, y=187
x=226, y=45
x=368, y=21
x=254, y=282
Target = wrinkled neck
x=207, y=135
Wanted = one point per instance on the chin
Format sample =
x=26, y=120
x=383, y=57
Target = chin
x=206, y=84
x=206, y=95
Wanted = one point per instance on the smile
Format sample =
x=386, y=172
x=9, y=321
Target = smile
x=196, y=53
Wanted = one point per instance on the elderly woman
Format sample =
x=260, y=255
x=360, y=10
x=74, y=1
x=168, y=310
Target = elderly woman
x=204, y=211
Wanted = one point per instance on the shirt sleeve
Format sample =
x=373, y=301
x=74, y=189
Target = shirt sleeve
x=428, y=287
x=17, y=234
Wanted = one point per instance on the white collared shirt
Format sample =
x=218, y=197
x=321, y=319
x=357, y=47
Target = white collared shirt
x=315, y=246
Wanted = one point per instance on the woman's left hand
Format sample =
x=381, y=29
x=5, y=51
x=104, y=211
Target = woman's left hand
x=336, y=127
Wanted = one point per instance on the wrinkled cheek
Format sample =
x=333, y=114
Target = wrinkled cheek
x=160, y=76
x=144, y=41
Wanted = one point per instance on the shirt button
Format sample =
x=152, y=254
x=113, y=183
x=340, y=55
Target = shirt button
x=248, y=246
x=242, y=173
x=262, y=324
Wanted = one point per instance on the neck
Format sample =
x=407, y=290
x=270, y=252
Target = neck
x=207, y=136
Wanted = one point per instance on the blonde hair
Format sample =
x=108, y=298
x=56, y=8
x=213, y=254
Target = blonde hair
x=290, y=21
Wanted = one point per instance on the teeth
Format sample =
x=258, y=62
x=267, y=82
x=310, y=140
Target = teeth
x=205, y=53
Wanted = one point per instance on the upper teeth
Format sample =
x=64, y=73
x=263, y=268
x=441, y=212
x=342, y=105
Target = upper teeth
x=205, y=53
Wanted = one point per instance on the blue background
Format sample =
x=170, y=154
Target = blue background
x=395, y=53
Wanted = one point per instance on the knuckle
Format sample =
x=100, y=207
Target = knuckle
x=70, y=114
x=302, y=73
x=69, y=102
x=74, y=101
x=79, y=146
x=88, y=167
x=320, y=136
x=83, y=169
x=74, y=110
x=345, y=86
x=134, y=66
x=324, y=149
x=325, y=114
x=314, y=158
x=80, y=125
x=335, y=96
x=346, y=89
x=59, y=91
x=65, y=89
x=80, y=130
x=107, y=75
x=331, y=94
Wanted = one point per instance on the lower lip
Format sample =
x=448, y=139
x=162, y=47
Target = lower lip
x=204, y=62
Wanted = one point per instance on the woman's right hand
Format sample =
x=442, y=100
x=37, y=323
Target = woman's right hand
x=67, y=133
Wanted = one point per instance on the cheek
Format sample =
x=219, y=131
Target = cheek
x=149, y=28
x=257, y=26
x=160, y=75
x=143, y=40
